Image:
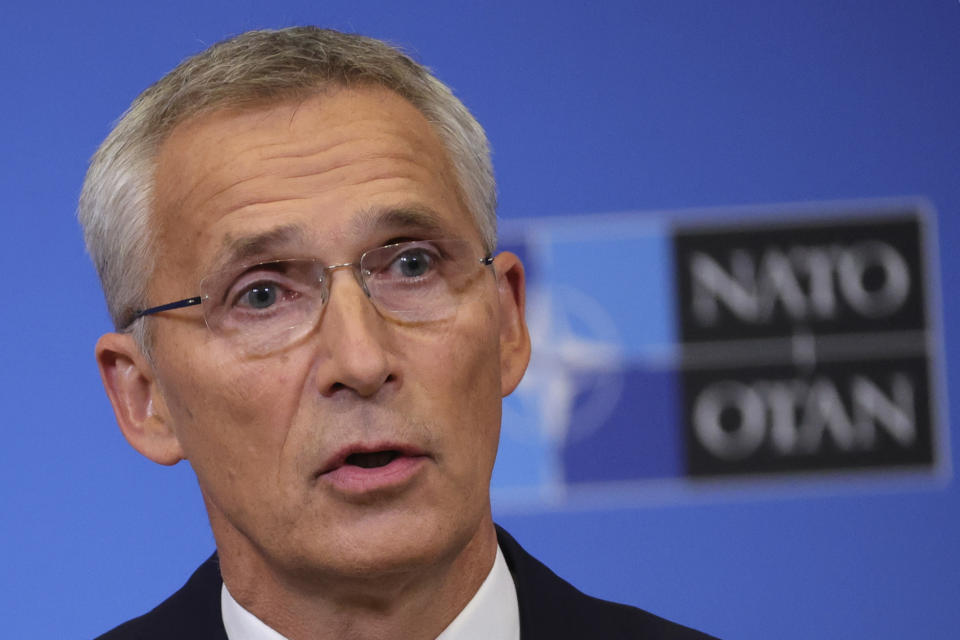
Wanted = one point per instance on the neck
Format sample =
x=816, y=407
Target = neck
x=414, y=602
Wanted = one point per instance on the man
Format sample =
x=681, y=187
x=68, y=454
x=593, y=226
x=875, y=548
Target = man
x=295, y=233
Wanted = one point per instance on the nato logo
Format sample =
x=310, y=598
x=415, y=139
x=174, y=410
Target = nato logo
x=689, y=347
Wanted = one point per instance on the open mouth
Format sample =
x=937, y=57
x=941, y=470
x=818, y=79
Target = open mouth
x=365, y=469
x=372, y=460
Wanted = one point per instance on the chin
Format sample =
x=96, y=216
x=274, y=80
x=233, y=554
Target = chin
x=389, y=545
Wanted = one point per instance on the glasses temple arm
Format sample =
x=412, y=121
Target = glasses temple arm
x=179, y=304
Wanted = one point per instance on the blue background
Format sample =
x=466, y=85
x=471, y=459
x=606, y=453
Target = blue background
x=591, y=108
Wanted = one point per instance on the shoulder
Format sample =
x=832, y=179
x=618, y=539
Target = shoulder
x=191, y=612
x=550, y=607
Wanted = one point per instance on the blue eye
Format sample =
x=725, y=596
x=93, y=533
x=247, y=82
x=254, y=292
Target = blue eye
x=414, y=263
x=260, y=296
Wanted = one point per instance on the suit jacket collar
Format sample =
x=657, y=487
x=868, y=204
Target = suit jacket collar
x=550, y=608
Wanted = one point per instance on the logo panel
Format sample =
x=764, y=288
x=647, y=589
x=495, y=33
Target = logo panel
x=669, y=349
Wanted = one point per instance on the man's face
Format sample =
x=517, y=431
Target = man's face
x=270, y=436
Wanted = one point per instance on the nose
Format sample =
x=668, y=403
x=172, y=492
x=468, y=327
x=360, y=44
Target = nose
x=354, y=339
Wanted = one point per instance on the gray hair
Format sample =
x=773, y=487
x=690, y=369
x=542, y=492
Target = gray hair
x=254, y=69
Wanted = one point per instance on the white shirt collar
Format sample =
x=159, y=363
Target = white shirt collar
x=491, y=613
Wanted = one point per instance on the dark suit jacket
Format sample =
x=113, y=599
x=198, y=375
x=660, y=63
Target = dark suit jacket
x=550, y=608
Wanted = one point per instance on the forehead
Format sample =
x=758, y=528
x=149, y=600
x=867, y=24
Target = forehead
x=329, y=172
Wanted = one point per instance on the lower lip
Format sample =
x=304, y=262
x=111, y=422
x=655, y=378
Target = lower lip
x=360, y=480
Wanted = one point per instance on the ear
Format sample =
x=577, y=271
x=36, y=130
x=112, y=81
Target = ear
x=137, y=402
x=514, y=338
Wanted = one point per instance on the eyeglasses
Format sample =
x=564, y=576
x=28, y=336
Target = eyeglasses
x=265, y=307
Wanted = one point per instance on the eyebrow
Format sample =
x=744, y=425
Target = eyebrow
x=246, y=248
x=413, y=218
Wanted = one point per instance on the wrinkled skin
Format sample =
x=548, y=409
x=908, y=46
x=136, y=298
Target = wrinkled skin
x=334, y=170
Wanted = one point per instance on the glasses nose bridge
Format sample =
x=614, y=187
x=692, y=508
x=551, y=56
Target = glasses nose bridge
x=357, y=275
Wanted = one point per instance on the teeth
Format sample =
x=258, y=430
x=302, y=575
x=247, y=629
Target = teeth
x=371, y=460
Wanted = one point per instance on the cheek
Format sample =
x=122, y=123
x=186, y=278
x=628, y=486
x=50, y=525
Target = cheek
x=226, y=413
x=457, y=371
x=456, y=352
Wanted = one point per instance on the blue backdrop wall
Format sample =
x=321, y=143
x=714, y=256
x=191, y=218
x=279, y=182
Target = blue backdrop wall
x=591, y=108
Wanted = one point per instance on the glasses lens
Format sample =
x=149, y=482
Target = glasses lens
x=262, y=307
x=265, y=307
x=419, y=281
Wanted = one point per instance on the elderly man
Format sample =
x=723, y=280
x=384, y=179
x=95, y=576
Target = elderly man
x=295, y=232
